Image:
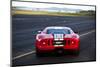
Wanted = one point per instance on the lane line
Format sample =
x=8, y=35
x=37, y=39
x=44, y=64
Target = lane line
x=87, y=33
x=25, y=54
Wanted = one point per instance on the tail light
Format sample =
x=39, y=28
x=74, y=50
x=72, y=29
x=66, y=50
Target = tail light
x=45, y=42
x=72, y=42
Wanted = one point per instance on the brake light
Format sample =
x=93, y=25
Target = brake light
x=43, y=43
x=72, y=42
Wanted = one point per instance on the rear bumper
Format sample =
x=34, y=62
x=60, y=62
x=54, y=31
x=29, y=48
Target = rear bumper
x=54, y=49
x=51, y=48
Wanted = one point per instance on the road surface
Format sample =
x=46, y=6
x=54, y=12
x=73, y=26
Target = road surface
x=24, y=30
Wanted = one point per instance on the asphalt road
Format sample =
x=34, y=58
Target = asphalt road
x=24, y=30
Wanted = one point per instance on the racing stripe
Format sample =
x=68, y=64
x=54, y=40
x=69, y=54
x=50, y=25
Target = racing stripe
x=58, y=36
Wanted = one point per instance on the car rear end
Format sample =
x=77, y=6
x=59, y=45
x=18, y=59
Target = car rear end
x=57, y=43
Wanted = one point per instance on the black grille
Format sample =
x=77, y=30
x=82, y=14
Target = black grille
x=59, y=42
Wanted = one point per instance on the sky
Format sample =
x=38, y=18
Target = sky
x=45, y=5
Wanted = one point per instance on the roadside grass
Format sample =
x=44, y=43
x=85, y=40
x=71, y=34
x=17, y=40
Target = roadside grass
x=30, y=12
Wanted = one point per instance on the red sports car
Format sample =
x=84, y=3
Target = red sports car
x=60, y=39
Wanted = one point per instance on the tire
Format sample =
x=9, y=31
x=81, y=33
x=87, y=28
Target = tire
x=76, y=52
x=38, y=54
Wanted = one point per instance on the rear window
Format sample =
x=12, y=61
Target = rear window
x=58, y=31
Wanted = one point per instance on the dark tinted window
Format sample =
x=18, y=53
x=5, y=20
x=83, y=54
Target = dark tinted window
x=58, y=31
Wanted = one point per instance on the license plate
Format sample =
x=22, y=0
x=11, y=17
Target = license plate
x=58, y=45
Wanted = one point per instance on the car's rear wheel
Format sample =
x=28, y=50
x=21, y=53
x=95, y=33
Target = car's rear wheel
x=76, y=52
x=39, y=54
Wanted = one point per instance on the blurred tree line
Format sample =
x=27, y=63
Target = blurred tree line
x=89, y=12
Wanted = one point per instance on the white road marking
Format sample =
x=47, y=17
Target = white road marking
x=87, y=33
x=25, y=54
